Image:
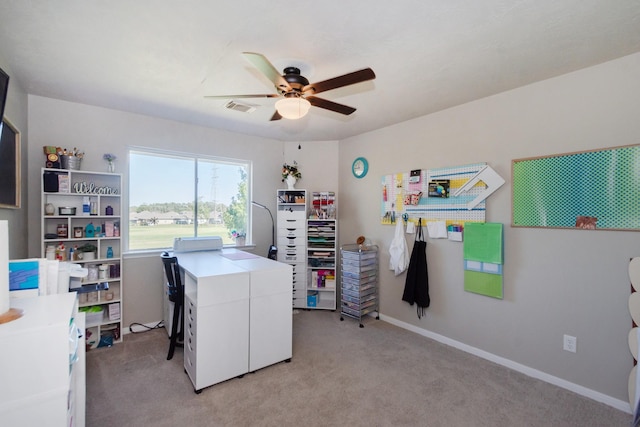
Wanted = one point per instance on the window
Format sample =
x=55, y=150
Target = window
x=181, y=195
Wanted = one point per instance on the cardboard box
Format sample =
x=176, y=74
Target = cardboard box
x=114, y=311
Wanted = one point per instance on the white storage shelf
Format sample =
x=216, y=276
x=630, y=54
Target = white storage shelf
x=321, y=263
x=103, y=191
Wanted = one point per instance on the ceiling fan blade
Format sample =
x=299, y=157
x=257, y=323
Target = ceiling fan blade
x=330, y=105
x=262, y=63
x=340, y=81
x=266, y=95
x=276, y=116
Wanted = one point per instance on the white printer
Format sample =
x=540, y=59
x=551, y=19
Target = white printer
x=194, y=244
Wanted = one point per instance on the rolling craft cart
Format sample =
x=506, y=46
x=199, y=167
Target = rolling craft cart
x=359, y=295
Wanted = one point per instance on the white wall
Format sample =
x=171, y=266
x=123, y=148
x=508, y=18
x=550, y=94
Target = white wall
x=556, y=281
x=318, y=162
x=16, y=113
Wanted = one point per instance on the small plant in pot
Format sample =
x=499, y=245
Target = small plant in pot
x=87, y=251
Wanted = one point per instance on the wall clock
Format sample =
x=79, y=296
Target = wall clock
x=360, y=167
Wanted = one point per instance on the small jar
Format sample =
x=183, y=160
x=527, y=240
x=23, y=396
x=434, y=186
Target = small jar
x=103, y=271
x=63, y=231
x=93, y=273
x=108, y=211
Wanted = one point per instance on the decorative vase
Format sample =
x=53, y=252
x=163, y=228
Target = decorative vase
x=291, y=181
x=240, y=241
x=111, y=167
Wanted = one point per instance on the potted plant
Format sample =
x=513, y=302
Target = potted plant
x=87, y=251
x=290, y=174
x=239, y=237
x=110, y=158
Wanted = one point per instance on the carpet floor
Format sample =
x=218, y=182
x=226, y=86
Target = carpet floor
x=340, y=374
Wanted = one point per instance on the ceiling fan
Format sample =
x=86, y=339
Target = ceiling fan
x=296, y=92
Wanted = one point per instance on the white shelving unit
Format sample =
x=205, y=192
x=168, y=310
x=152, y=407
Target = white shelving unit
x=292, y=239
x=323, y=205
x=64, y=229
x=321, y=263
x=42, y=364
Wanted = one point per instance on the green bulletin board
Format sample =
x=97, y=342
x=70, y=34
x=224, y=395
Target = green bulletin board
x=483, y=254
x=559, y=191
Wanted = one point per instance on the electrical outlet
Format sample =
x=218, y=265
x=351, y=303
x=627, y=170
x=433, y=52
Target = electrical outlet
x=570, y=343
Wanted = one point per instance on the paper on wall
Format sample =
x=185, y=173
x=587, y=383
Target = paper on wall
x=437, y=229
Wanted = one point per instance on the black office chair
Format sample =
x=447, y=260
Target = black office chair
x=175, y=292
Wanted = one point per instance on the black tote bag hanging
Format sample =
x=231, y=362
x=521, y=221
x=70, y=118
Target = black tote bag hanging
x=416, y=286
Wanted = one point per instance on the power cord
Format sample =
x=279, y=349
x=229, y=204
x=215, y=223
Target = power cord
x=158, y=325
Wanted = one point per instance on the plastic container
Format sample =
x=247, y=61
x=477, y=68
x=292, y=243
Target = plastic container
x=50, y=252
x=103, y=271
x=93, y=273
x=94, y=315
x=65, y=210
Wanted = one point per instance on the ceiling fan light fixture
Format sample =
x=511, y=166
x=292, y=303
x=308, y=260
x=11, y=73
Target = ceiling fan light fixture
x=293, y=108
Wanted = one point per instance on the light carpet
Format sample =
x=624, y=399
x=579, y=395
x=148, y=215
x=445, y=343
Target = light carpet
x=340, y=374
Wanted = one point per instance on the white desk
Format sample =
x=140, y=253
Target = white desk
x=237, y=314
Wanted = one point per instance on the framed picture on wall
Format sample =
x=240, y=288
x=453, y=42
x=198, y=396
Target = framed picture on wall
x=588, y=190
x=9, y=165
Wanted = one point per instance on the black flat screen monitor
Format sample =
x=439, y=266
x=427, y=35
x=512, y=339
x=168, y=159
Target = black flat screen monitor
x=4, y=88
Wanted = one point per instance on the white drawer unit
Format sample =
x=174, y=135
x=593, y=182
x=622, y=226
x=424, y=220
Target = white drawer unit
x=190, y=336
x=221, y=302
x=299, y=282
x=292, y=239
x=237, y=314
x=292, y=253
x=287, y=240
x=359, y=281
x=292, y=219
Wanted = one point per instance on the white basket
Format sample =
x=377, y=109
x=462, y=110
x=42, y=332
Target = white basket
x=94, y=318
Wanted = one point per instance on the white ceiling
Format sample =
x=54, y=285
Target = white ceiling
x=160, y=57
